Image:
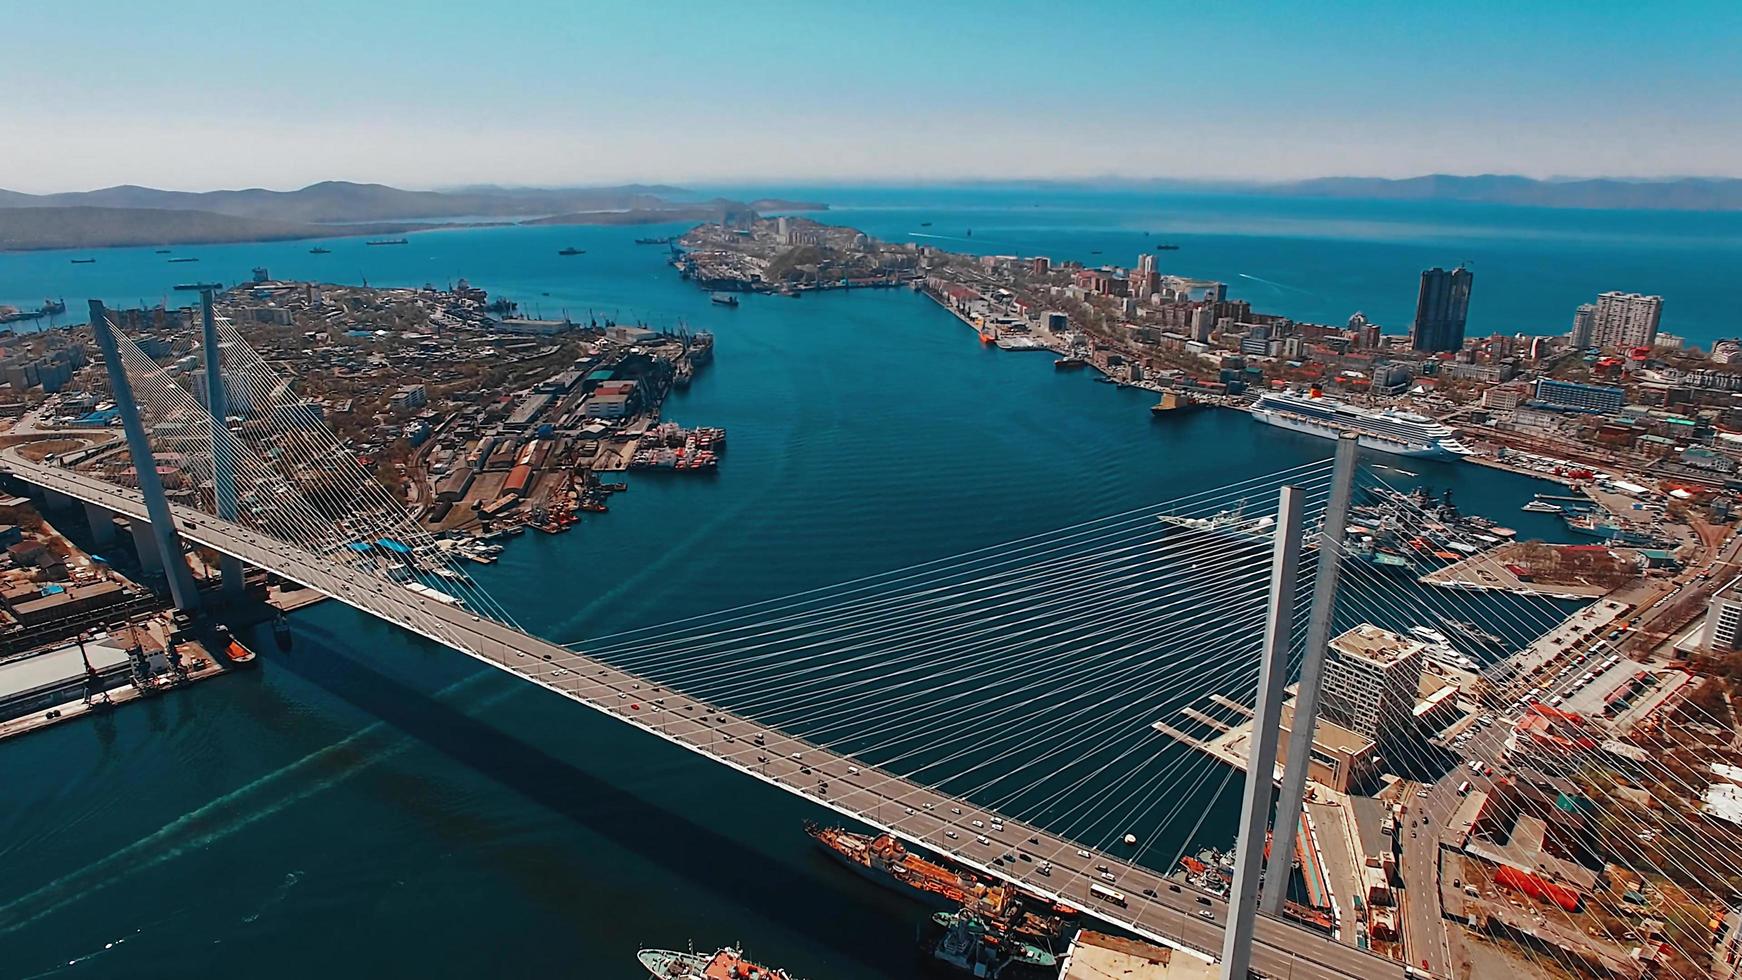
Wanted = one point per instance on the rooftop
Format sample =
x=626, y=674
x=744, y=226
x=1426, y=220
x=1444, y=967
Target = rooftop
x=1370, y=643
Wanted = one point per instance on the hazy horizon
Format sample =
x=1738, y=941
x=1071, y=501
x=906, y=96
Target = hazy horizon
x=203, y=95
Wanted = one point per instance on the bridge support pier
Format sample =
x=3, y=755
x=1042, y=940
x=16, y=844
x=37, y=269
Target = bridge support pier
x=162, y=522
x=1261, y=763
x=150, y=559
x=1312, y=669
x=55, y=500
x=102, y=524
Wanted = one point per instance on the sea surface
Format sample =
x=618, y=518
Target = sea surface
x=371, y=804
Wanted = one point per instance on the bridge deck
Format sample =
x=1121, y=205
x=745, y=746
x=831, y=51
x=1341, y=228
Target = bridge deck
x=1164, y=911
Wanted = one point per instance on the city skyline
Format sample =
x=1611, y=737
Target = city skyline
x=550, y=96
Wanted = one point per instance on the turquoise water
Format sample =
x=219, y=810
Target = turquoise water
x=372, y=804
x=1315, y=260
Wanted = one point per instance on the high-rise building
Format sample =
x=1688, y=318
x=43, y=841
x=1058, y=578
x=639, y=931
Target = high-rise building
x=1145, y=280
x=1626, y=320
x=1584, y=325
x=1371, y=680
x=1724, y=620
x=1440, y=309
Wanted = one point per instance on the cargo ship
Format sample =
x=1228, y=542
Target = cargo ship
x=571, y=250
x=317, y=250
x=1003, y=907
x=884, y=860
x=1070, y=362
x=184, y=258
x=1398, y=433
x=389, y=241
x=962, y=942
x=83, y=261
x=655, y=241
x=725, y=964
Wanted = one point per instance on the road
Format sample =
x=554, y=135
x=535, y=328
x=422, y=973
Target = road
x=1153, y=907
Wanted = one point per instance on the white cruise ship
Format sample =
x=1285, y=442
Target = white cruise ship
x=1399, y=433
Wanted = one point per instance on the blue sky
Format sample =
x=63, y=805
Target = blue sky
x=197, y=95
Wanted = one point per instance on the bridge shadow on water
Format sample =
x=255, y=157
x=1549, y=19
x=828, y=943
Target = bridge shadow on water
x=809, y=895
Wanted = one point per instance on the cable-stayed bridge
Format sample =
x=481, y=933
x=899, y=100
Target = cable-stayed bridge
x=993, y=706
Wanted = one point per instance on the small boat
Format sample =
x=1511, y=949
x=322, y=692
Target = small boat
x=925, y=224
x=1541, y=507
x=234, y=651
x=1094, y=251
x=389, y=241
x=184, y=258
x=571, y=250
x=317, y=250
x=163, y=251
x=1165, y=247
x=83, y=261
x=969, y=233
x=724, y=299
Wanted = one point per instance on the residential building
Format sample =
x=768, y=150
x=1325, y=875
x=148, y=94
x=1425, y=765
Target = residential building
x=1370, y=682
x=1626, y=320
x=1724, y=619
x=1441, y=307
x=1584, y=325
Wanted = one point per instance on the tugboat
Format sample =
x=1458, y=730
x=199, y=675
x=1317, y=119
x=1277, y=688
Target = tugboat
x=725, y=964
x=234, y=651
x=571, y=250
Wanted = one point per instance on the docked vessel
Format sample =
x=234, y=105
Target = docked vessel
x=1542, y=507
x=1231, y=522
x=885, y=861
x=1070, y=362
x=1399, y=433
x=724, y=299
x=1472, y=631
x=962, y=942
x=234, y=651
x=725, y=964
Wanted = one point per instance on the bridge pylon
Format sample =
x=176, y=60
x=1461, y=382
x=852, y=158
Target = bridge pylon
x=163, y=532
x=223, y=468
x=1261, y=760
x=1326, y=572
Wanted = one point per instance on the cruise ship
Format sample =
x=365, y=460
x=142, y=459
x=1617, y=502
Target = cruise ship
x=1399, y=433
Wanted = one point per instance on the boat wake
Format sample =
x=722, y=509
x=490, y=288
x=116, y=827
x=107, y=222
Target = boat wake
x=1279, y=285
x=227, y=815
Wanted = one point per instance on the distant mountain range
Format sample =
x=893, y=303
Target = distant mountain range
x=1681, y=194
x=129, y=215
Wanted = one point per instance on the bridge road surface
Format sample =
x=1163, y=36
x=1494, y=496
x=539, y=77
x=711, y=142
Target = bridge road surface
x=1156, y=908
